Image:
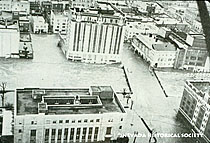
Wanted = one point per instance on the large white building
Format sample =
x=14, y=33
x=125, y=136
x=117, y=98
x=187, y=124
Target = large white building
x=61, y=115
x=155, y=50
x=95, y=36
x=59, y=21
x=21, y=6
x=9, y=39
x=39, y=25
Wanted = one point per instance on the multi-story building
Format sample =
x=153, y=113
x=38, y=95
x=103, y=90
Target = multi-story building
x=155, y=50
x=9, y=39
x=25, y=48
x=35, y=6
x=192, y=52
x=95, y=36
x=136, y=28
x=39, y=25
x=64, y=115
x=82, y=3
x=195, y=106
x=24, y=24
x=6, y=5
x=59, y=21
x=21, y=6
x=60, y=6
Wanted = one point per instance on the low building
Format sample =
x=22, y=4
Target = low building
x=92, y=114
x=156, y=50
x=21, y=6
x=9, y=39
x=82, y=3
x=59, y=21
x=39, y=25
x=25, y=46
x=195, y=106
x=24, y=24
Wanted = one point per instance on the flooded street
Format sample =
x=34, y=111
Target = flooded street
x=49, y=68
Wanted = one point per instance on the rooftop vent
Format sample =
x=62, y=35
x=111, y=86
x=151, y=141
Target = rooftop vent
x=37, y=94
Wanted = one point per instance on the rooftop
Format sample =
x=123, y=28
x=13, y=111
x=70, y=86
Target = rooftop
x=201, y=87
x=164, y=47
x=55, y=101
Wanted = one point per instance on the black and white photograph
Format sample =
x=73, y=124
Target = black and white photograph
x=104, y=71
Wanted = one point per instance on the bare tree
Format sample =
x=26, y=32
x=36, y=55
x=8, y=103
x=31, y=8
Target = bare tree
x=3, y=86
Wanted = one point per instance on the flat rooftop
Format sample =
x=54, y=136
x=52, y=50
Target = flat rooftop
x=55, y=101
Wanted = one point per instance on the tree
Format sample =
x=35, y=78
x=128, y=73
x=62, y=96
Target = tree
x=3, y=86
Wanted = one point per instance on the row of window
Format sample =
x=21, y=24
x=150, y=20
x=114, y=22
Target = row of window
x=72, y=121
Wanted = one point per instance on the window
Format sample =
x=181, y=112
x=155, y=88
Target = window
x=53, y=135
x=67, y=121
x=84, y=134
x=33, y=122
x=60, y=121
x=97, y=120
x=65, y=137
x=91, y=121
x=79, y=121
x=73, y=121
x=90, y=134
x=54, y=122
x=108, y=130
x=121, y=119
x=78, y=134
x=20, y=131
x=72, y=134
x=96, y=133
x=85, y=120
x=120, y=127
x=46, y=138
x=33, y=136
x=59, y=135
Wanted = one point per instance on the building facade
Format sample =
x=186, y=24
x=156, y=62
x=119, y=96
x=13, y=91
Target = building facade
x=192, y=53
x=82, y=3
x=94, y=38
x=9, y=39
x=21, y=6
x=59, y=22
x=152, y=49
x=195, y=106
x=6, y=5
x=39, y=25
x=67, y=115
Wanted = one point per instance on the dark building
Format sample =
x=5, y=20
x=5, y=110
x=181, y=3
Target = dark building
x=34, y=7
x=195, y=106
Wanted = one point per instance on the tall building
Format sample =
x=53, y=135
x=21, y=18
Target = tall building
x=61, y=115
x=39, y=25
x=95, y=36
x=9, y=39
x=195, y=106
